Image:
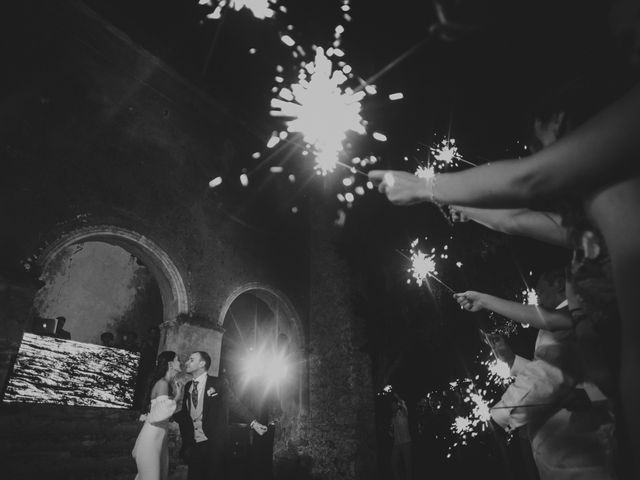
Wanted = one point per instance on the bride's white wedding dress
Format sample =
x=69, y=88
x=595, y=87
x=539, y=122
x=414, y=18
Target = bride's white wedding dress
x=151, y=450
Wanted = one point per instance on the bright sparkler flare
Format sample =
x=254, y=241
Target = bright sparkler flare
x=266, y=363
x=530, y=296
x=446, y=151
x=425, y=172
x=481, y=409
x=500, y=372
x=477, y=420
x=260, y=9
x=321, y=109
x=422, y=266
x=461, y=425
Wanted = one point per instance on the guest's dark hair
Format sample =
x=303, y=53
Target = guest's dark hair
x=207, y=359
x=160, y=370
x=580, y=98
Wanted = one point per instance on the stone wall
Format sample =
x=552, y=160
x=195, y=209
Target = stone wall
x=100, y=132
x=341, y=416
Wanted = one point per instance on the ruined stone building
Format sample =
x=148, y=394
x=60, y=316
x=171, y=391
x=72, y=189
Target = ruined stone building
x=109, y=221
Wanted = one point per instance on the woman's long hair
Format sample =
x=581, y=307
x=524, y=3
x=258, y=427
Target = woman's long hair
x=160, y=370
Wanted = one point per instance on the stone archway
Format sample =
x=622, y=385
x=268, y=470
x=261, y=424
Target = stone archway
x=295, y=402
x=174, y=295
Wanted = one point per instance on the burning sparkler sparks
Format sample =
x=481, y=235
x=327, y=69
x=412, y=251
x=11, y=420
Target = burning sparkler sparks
x=498, y=372
x=260, y=9
x=321, y=109
x=447, y=153
x=423, y=265
x=476, y=421
x=425, y=172
x=530, y=297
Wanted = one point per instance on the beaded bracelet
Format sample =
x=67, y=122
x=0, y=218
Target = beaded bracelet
x=431, y=185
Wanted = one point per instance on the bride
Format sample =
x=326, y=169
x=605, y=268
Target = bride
x=151, y=450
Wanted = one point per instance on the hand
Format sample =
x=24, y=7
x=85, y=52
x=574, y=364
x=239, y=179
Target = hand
x=258, y=428
x=401, y=188
x=500, y=348
x=458, y=214
x=470, y=300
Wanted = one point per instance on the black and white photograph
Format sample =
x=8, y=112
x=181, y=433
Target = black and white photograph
x=320, y=240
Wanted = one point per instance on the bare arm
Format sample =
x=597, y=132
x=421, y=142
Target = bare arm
x=543, y=226
x=533, y=315
x=603, y=150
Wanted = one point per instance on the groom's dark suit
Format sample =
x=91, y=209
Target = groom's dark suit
x=205, y=459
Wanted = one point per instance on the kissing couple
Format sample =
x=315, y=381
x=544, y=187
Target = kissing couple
x=201, y=409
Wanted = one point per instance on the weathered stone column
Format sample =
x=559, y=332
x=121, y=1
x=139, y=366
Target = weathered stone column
x=341, y=432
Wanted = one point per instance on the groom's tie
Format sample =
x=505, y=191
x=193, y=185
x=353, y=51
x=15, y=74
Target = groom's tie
x=194, y=394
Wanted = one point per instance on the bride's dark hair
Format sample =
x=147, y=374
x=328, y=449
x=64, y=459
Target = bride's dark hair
x=162, y=365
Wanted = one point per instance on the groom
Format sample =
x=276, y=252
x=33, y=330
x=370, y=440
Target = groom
x=203, y=419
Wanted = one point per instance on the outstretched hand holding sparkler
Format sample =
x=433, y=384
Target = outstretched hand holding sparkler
x=402, y=188
x=470, y=301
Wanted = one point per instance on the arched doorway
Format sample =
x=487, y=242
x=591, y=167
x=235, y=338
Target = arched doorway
x=172, y=288
x=263, y=354
x=107, y=281
x=105, y=294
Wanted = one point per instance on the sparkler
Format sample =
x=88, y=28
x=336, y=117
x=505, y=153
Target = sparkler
x=424, y=265
x=447, y=152
x=425, y=172
x=260, y=9
x=321, y=109
x=501, y=325
x=530, y=297
x=215, y=182
x=498, y=372
x=476, y=421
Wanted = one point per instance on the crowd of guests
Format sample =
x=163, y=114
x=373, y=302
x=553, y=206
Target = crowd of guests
x=579, y=189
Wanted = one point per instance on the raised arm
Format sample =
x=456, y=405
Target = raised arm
x=533, y=315
x=543, y=226
x=603, y=150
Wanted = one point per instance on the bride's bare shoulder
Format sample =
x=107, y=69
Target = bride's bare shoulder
x=161, y=387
